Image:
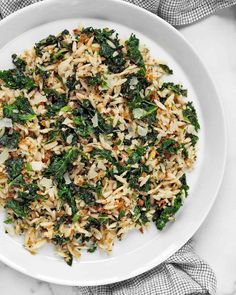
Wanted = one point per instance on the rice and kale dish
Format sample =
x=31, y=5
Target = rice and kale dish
x=93, y=142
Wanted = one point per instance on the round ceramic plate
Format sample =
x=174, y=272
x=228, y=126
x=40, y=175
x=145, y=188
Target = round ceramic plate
x=137, y=253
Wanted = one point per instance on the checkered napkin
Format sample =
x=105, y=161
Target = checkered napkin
x=184, y=273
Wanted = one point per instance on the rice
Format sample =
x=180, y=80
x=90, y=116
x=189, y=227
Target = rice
x=93, y=142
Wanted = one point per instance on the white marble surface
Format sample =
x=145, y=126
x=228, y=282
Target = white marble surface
x=214, y=39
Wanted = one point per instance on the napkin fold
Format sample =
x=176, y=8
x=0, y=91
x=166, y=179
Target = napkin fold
x=176, y=12
x=184, y=273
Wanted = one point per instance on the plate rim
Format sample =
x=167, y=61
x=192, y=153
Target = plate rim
x=180, y=244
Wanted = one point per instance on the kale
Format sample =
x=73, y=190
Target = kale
x=133, y=51
x=93, y=223
x=18, y=209
x=194, y=138
x=83, y=127
x=71, y=82
x=57, y=101
x=190, y=115
x=176, y=88
x=132, y=92
x=25, y=195
x=10, y=139
x=85, y=194
x=17, y=182
x=97, y=81
x=19, y=63
x=162, y=216
x=42, y=72
x=61, y=220
x=66, y=193
x=121, y=214
x=136, y=156
x=184, y=152
x=13, y=167
x=140, y=215
x=83, y=120
x=92, y=249
x=103, y=219
x=147, y=109
x=62, y=46
x=69, y=259
x=184, y=187
x=15, y=79
x=168, y=147
x=133, y=176
x=20, y=111
x=29, y=192
x=166, y=69
x=50, y=40
x=58, y=55
x=113, y=54
x=104, y=154
x=60, y=240
x=60, y=164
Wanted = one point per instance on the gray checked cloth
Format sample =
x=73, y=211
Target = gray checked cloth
x=184, y=273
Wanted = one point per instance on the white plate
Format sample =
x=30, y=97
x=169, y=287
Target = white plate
x=136, y=253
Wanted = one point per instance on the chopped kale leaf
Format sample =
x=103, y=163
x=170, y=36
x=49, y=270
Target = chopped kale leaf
x=60, y=164
x=190, y=115
x=166, y=69
x=14, y=167
x=133, y=51
x=10, y=139
x=176, y=88
x=15, y=79
x=20, y=111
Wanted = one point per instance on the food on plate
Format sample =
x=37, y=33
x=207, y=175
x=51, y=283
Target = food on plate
x=94, y=141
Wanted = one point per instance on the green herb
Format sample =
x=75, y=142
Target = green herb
x=50, y=40
x=93, y=223
x=58, y=55
x=59, y=164
x=104, y=219
x=113, y=54
x=57, y=101
x=60, y=240
x=121, y=214
x=161, y=217
x=69, y=259
x=42, y=72
x=190, y=115
x=8, y=221
x=10, y=139
x=166, y=69
x=15, y=79
x=19, y=63
x=194, y=138
x=17, y=208
x=176, y=88
x=60, y=221
x=92, y=249
x=20, y=111
x=168, y=147
x=95, y=80
x=71, y=82
x=85, y=194
x=136, y=156
x=14, y=167
x=133, y=51
x=66, y=194
x=76, y=217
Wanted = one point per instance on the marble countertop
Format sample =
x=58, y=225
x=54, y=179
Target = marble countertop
x=214, y=39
